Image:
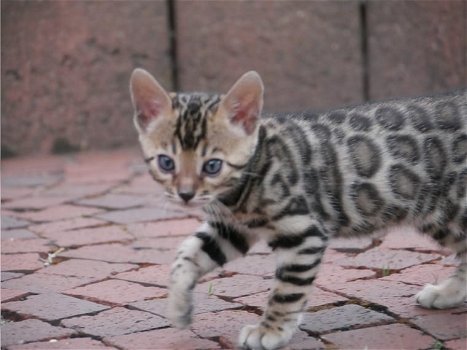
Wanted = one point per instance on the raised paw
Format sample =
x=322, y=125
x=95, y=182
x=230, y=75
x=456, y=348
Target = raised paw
x=255, y=337
x=450, y=293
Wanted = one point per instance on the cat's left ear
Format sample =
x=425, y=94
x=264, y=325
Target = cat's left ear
x=243, y=103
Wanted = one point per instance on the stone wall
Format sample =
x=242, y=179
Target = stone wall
x=66, y=64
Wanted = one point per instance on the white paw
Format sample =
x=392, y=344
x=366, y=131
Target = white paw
x=255, y=337
x=180, y=310
x=450, y=293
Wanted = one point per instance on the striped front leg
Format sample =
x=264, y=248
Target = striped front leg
x=214, y=244
x=298, y=259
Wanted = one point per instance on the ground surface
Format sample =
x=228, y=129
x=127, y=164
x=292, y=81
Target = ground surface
x=87, y=241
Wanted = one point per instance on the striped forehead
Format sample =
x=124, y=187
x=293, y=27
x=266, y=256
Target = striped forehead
x=192, y=111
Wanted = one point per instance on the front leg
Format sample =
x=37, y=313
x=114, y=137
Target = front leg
x=298, y=258
x=213, y=244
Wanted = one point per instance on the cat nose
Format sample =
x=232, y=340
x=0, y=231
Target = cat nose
x=186, y=195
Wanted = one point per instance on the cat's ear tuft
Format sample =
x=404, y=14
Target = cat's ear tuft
x=244, y=102
x=150, y=100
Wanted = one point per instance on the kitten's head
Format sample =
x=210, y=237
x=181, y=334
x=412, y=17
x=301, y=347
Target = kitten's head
x=196, y=145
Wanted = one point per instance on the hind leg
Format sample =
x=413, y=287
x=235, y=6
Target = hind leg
x=451, y=292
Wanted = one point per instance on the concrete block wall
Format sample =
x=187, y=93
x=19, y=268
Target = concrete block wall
x=66, y=64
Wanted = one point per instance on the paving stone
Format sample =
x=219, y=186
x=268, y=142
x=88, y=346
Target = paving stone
x=35, y=203
x=203, y=303
x=66, y=225
x=404, y=237
x=61, y=212
x=236, y=286
x=350, y=245
x=378, y=258
x=142, y=185
x=9, y=222
x=262, y=265
x=161, y=244
x=10, y=275
x=12, y=193
x=17, y=234
x=444, y=326
x=43, y=283
x=458, y=344
x=157, y=275
x=301, y=341
x=116, y=321
x=113, y=201
x=117, y=292
x=11, y=294
x=88, y=236
x=29, y=331
x=178, y=227
x=86, y=268
x=319, y=297
x=21, y=262
x=52, y=306
x=139, y=215
x=39, y=179
x=342, y=318
x=226, y=323
x=116, y=252
x=36, y=245
x=422, y=274
x=168, y=338
x=399, y=336
x=329, y=275
x=77, y=191
x=63, y=344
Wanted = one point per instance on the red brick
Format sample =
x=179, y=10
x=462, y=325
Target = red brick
x=377, y=258
x=116, y=252
x=342, y=317
x=20, y=262
x=157, y=275
x=52, y=306
x=130, y=216
x=256, y=300
x=61, y=212
x=11, y=294
x=444, y=326
x=224, y=323
x=422, y=274
x=68, y=344
x=43, y=283
x=117, y=292
x=329, y=275
x=36, y=245
x=17, y=234
x=319, y=297
x=9, y=222
x=178, y=227
x=301, y=340
x=29, y=331
x=458, y=344
x=12, y=193
x=35, y=203
x=113, y=201
x=77, y=191
x=262, y=265
x=168, y=338
x=88, y=236
x=162, y=244
x=141, y=185
x=408, y=238
x=10, y=275
x=203, y=303
x=236, y=286
x=399, y=336
x=350, y=245
x=66, y=225
x=116, y=321
x=86, y=268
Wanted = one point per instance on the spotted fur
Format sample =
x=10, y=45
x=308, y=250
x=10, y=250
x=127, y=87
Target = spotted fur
x=308, y=177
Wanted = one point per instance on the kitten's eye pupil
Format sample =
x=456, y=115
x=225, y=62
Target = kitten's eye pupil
x=165, y=163
x=212, y=167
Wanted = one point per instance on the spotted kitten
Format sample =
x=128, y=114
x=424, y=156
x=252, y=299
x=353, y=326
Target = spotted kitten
x=296, y=180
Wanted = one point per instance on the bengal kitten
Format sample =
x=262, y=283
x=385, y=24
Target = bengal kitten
x=296, y=180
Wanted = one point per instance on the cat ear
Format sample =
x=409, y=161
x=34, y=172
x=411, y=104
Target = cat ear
x=244, y=102
x=150, y=101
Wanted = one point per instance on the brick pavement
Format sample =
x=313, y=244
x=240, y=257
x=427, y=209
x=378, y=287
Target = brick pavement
x=86, y=243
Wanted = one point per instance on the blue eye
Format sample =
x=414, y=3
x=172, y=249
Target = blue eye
x=212, y=167
x=165, y=163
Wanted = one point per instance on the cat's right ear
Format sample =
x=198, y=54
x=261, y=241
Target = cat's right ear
x=150, y=100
